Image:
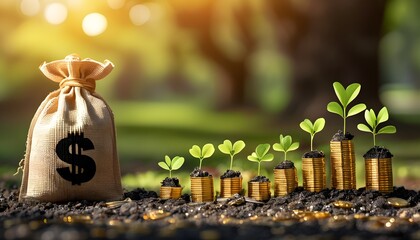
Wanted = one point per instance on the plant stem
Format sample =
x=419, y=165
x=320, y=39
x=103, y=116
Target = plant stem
x=201, y=160
x=374, y=139
x=170, y=173
x=312, y=142
x=231, y=162
x=259, y=168
x=344, y=120
x=285, y=155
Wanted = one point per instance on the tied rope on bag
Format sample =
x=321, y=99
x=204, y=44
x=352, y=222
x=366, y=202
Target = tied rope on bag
x=71, y=150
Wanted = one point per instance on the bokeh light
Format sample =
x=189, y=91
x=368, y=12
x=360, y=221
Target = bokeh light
x=55, y=13
x=30, y=7
x=139, y=14
x=94, y=24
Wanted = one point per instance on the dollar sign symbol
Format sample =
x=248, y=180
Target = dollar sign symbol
x=83, y=167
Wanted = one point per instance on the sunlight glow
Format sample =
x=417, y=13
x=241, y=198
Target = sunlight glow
x=139, y=14
x=55, y=13
x=30, y=7
x=116, y=4
x=94, y=24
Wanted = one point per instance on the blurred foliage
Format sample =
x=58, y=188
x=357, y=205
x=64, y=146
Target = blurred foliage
x=185, y=64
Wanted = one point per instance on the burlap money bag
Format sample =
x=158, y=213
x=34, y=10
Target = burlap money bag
x=71, y=151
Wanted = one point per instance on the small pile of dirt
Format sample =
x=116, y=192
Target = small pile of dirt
x=230, y=174
x=286, y=164
x=260, y=179
x=197, y=172
x=378, y=152
x=340, y=136
x=314, y=154
x=170, y=182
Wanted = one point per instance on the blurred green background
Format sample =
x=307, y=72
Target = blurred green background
x=192, y=72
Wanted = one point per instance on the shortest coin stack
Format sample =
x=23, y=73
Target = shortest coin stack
x=170, y=192
x=202, y=189
x=285, y=181
x=259, y=191
x=379, y=174
x=230, y=186
x=314, y=178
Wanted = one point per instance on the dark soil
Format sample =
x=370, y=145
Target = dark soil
x=199, y=173
x=230, y=174
x=378, y=152
x=313, y=154
x=286, y=164
x=340, y=136
x=260, y=179
x=144, y=216
x=170, y=182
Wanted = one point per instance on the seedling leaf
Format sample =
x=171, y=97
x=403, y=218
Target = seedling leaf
x=334, y=107
x=195, y=151
x=352, y=91
x=294, y=146
x=224, y=147
x=177, y=162
x=262, y=150
x=387, y=130
x=383, y=115
x=267, y=158
x=362, y=127
x=208, y=150
x=164, y=166
x=278, y=147
x=307, y=127
x=253, y=158
x=238, y=146
x=319, y=125
x=341, y=93
x=356, y=109
x=168, y=160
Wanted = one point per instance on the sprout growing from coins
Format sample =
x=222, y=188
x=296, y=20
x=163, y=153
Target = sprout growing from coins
x=312, y=128
x=285, y=145
x=261, y=155
x=202, y=153
x=373, y=122
x=172, y=164
x=345, y=97
x=231, y=149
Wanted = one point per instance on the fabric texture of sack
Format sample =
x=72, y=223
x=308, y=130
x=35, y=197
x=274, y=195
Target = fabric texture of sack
x=71, y=149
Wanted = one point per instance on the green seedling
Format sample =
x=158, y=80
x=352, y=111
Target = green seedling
x=231, y=149
x=285, y=145
x=373, y=121
x=346, y=96
x=261, y=155
x=206, y=152
x=172, y=164
x=312, y=129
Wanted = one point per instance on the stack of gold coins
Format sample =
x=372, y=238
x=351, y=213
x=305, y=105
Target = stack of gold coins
x=259, y=191
x=314, y=178
x=285, y=181
x=230, y=186
x=343, y=165
x=379, y=174
x=202, y=189
x=170, y=192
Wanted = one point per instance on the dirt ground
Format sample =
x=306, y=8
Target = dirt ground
x=330, y=214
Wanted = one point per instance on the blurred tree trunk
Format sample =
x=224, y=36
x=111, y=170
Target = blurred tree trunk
x=234, y=70
x=330, y=41
x=326, y=40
